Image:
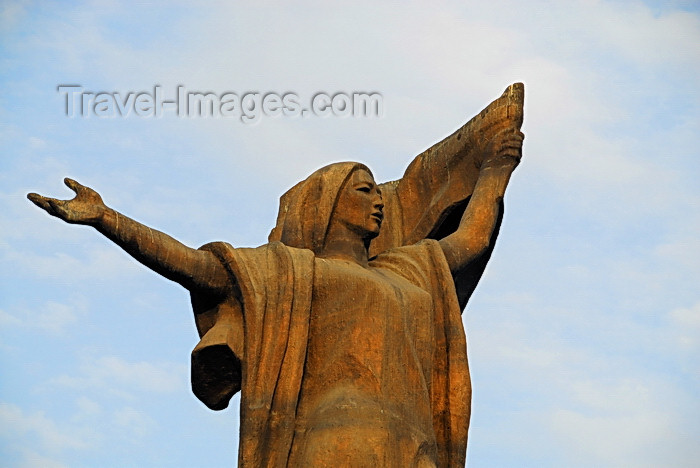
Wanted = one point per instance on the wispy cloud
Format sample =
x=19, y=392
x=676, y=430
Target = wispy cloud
x=31, y=459
x=119, y=376
x=16, y=423
x=134, y=422
x=50, y=317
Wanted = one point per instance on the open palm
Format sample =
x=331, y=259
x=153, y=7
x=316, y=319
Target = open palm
x=86, y=208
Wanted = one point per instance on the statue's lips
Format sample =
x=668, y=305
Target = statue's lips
x=379, y=216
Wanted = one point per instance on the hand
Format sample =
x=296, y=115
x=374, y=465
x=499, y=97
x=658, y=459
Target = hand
x=86, y=208
x=505, y=151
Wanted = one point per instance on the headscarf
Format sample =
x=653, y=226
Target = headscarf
x=306, y=209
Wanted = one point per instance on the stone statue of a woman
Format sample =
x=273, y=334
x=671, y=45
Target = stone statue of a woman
x=345, y=354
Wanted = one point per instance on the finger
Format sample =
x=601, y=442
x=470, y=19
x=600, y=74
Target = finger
x=508, y=137
x=514, y=143
x=73, y=185
x=511, y=143
x=57, y=207
x=50, y=205
x=39, y=201
x=515, y=136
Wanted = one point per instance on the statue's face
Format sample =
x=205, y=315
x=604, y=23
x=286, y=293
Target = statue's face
x=360, y=205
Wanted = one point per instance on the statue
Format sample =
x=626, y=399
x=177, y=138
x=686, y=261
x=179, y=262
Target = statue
x=343, y=333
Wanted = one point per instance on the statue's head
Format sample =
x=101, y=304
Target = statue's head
x=343, y=193
x=359, y=206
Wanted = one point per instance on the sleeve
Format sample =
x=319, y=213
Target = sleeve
x=216, y=360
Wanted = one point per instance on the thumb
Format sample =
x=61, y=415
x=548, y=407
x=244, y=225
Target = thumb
x=73, y=185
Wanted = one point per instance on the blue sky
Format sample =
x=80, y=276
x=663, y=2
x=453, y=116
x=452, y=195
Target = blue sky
x=584, y=334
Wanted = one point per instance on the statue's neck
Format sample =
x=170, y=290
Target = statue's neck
x=344, y=244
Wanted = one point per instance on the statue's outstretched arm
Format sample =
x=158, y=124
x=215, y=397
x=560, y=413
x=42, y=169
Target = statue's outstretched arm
x=194, y=269
x=472, y=237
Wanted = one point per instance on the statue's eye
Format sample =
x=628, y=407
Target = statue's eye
x=363, y=189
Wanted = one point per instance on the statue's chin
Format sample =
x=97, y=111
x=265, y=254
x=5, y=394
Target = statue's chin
x=369, y=235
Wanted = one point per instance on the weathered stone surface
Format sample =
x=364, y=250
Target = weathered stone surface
x=343, y=333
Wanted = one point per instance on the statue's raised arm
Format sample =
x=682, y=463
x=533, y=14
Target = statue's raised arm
x=475, y=233
x=196, y=270
x=430, y=200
